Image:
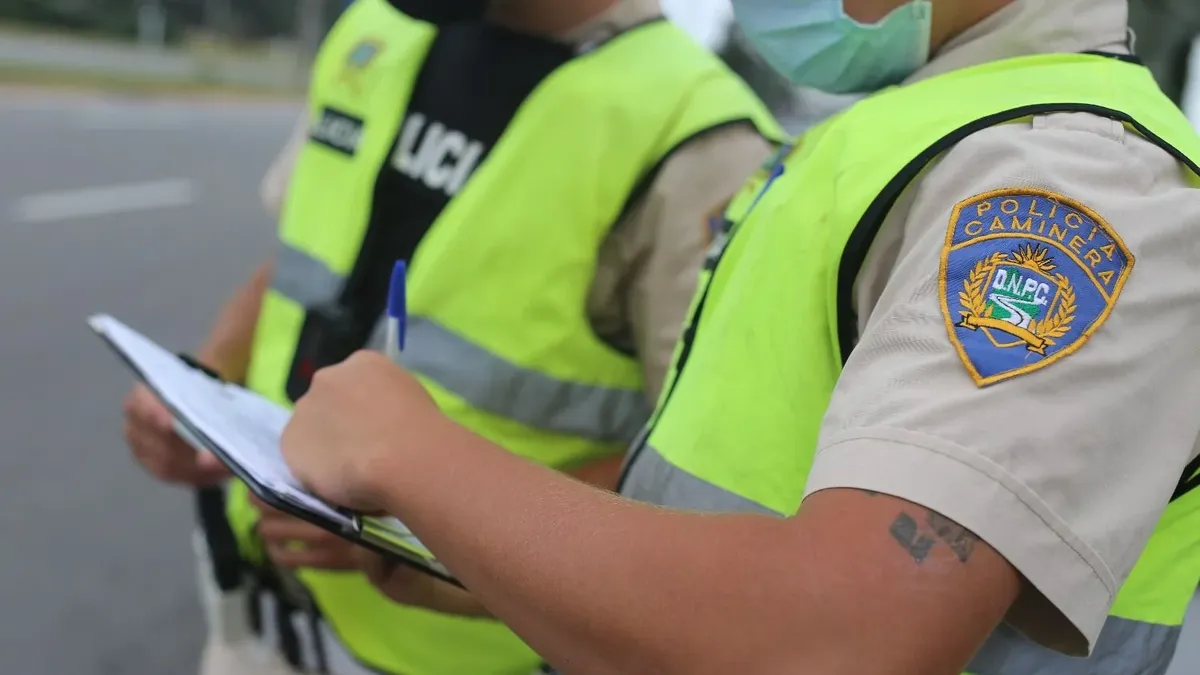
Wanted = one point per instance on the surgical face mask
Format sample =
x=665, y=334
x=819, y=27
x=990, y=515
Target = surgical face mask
x=815, y=44
x=442, y=12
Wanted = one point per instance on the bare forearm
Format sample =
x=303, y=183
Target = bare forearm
x=600, y=585
x=227, y=348
x=554, y=567
x=603, y=473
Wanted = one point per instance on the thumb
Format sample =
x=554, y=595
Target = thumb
x=373, y=565
x=157, y=414
x=206, y=461
x=164, y=414
x=209, y=469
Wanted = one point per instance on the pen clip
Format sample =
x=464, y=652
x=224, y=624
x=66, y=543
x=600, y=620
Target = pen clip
x=397, y=305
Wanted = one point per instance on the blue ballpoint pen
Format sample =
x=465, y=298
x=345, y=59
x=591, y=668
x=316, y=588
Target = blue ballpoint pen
x=397, y=312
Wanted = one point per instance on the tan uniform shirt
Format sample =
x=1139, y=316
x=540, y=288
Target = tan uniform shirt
x=1066, y=469
x=648, y=267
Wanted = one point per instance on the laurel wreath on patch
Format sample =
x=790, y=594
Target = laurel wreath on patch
x=974, y=299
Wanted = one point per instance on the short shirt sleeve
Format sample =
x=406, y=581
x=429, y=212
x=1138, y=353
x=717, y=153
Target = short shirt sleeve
x=273, y=189
x=648, y=267
x=1028, y=366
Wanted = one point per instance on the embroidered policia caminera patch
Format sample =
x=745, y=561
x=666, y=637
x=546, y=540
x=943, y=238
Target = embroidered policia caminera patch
x=359, y=58
x=1026, y=277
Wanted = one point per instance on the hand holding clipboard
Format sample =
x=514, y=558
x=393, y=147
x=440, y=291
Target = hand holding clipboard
x=243, y=430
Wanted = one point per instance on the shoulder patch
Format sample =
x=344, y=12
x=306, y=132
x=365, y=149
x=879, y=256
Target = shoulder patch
x=1026, y=277
x=358, y=59
x=363, y=53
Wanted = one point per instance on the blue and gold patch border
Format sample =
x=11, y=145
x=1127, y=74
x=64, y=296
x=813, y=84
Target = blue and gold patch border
x=948, y=247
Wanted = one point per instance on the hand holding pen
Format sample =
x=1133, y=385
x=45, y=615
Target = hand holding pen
x=372, y=412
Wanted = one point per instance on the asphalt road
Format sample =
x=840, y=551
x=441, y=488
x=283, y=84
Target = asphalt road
x=95, y=571
x=149, y=212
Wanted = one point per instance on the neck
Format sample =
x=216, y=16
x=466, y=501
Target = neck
x=546, y=17
x=952, y=18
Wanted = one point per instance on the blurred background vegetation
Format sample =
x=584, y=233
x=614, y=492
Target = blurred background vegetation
x=268, y=44
x=235, y=20
x=255, y=46
x=251, y=43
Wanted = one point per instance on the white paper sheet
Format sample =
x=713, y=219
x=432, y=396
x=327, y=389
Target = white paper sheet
x=244, y=425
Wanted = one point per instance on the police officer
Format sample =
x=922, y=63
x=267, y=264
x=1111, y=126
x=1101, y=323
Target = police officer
x=948, y=339
x=549, y=170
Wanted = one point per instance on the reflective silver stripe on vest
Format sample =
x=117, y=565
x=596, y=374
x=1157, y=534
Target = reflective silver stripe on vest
x=1125, y=647
x=494, y=385
x=483, y=379
x=303, y=279
x=651, y=478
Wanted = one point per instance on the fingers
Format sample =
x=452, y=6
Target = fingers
x=144, y=409
x=375, y=567
x=209, y=469
x=259, y=503
x=399, y=581
x=268, y=512
x=150, y=432
x=294, y=543
x=407, y=586
x=279, y=527
x=326, y=558
x=170, y=459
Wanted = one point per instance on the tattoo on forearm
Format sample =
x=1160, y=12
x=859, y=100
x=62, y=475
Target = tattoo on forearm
x=906, y=531
x=919, y=539
x=958, y=538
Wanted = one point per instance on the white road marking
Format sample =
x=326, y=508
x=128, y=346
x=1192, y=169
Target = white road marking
x=133, y=118
x=104, y=200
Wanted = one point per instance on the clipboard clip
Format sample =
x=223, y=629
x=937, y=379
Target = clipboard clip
x=195, y=364
x=354, y=526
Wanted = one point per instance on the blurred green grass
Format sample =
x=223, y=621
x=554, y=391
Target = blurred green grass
x=209, y=66
x=62, y=78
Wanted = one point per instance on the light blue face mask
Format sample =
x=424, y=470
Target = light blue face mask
x=814, y=44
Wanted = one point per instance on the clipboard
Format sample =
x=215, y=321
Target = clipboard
x=205, y=408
